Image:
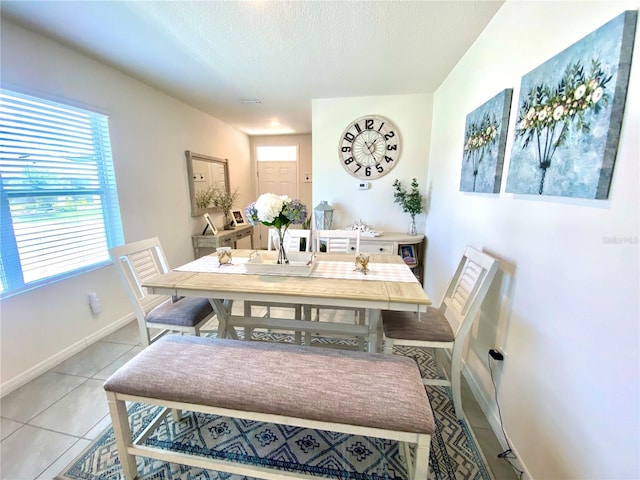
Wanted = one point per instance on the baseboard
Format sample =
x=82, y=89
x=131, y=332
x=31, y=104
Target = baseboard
x=42, y=367
x=486, y=404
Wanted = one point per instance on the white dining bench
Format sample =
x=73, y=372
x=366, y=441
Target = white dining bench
x=356, y=393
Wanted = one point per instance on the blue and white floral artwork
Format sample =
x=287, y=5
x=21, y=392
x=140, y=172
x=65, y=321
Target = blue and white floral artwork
x=570, y=113
x=485, y=138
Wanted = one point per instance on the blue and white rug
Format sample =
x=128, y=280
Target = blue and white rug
x=454, y=454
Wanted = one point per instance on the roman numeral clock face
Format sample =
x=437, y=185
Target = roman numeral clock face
x=369, y=147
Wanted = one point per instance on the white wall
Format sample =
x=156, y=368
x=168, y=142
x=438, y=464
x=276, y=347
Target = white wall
x=565, y=308
x=412, y=116
x=150, y=133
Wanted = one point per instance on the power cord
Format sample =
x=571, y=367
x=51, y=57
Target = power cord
x=508, y=454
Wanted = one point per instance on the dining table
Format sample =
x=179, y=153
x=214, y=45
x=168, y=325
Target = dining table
x=328, y=280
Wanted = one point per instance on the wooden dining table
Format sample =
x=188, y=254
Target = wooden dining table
x=331, y=281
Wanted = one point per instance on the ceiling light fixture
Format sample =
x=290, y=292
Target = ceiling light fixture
x=250, y=101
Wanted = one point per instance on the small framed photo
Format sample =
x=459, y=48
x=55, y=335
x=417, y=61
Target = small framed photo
x=408, y=254
x=238, y=217
x=210, y=224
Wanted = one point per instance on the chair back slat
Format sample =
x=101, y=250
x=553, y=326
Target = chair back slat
x=137, y=262
x=467, y=285
x=291, y=239
x=338, y=241
x=145, y=265
x=468, y=288
x=272, y=239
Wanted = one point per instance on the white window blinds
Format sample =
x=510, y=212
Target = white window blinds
x=59, y=211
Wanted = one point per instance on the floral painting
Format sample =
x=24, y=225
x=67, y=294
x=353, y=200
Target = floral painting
x=485, y=138
x=570, y=113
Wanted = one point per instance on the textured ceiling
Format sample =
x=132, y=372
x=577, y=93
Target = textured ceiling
x=213, y=54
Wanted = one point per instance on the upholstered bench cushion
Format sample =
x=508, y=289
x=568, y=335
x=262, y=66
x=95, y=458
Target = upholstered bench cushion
x=351, y=388
x=432, y=326
x=186, y=311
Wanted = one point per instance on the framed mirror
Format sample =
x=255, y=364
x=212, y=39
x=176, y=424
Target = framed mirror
x=205, y=173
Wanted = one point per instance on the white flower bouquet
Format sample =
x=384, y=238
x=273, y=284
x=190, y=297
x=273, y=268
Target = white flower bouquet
x=277, y=211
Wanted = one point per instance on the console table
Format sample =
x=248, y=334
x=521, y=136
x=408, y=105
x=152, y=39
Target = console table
x=224, y=238
x=394, y=243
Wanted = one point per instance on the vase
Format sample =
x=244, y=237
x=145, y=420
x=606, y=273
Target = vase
x=412, y=226
x=228, y=223
x=282, y=253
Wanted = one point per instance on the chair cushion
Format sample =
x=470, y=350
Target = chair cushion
x=186, y=312
x=432, y=326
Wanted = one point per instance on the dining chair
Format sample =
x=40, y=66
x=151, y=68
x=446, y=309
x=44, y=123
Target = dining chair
x=291, y=242
x=139, y=261
x=338, y=241
x=459, y=306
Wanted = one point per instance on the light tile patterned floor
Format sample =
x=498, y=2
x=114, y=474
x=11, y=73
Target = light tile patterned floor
x=46, y=423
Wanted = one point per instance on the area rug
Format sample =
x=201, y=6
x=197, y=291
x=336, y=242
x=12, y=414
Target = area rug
x=454, y=454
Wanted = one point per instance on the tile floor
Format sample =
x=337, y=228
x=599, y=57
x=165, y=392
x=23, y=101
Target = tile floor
x=46, y=423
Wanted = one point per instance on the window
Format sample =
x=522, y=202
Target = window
x=277, y=153
x=59, y=211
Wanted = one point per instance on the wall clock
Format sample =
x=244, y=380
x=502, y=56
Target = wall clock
x=369, y=147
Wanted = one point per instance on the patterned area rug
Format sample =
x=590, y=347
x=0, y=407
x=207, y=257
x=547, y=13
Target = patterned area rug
x=454, y=454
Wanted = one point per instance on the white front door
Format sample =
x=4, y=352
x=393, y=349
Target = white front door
x=280, y=178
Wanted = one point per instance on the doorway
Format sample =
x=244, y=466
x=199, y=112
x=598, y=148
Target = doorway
x=277, y=170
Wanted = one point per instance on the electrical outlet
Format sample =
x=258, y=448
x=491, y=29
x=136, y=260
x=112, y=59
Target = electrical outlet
x=496, y=354
x=94, y=302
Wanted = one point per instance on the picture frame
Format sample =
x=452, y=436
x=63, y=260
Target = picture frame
x=408, y=254
x=209, y=224
x=238, y=217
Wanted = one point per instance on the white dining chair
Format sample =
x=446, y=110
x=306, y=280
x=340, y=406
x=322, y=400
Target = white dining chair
x=139, y=261
x=433, y=329
x=292, y=240
x=337, y=241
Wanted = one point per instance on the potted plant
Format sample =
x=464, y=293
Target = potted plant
x=411, y=202
x=225, y=201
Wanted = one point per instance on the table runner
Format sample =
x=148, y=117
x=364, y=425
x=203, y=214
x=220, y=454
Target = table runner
x=381, y=272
